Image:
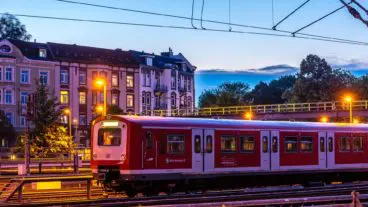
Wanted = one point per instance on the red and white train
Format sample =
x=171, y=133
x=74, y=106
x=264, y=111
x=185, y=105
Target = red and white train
x=151, y=154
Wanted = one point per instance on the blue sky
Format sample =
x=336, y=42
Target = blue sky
x=204, y=49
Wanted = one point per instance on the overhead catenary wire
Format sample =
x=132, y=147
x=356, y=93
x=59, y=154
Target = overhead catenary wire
x=321, y=18
x=178, y=27
x=287, y=16
x=360, y=6
x=206, y=20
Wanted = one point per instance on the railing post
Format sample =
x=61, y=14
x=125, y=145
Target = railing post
x=264, y=108
x=236, y=110
x=210, y=111
x=279, y=108
x=223, y=110
x=309, y=107
x=324, y=107
x=366, y=104
x=294, y=107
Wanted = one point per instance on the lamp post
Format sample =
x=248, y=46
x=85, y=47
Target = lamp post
x=68, y=112
x=100, y=82
x=349, y=99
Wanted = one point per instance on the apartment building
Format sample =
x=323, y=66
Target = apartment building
x=137, y=82
x=166, y=83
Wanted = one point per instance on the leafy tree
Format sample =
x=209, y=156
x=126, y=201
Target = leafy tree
x=231, y=93
x=207, y=99
x=6, y=129
x=317, y=81
x=12, y=28
x=360, y=87
x=114, y=109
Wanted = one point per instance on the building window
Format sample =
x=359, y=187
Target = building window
x=44, y=77
x=344, y=144
x=247, y=144
x=149, y=61
x=148, y=98
x=64, y=76
x=306, y=144
x=22, y=121
x=8, y=97
x=130, y=81
x=94, y=97
x=94, y=75
x=173, y=99
x=175, y=144
x=82, y=77
x=209, y=143
x=82, y=119
x=143, y=98
x=24, y=76
x=9, y=74
x=1, y=73
x=197, y=144
x=23, y=98
x=9, y=116
x=115, y=99
x=101, y=97
x=228, y=144
x=115, y=79
x=130, y=100
x=291, y=145
x=147, y=78
x=173, y=82
x=64, y=97
x=42, y=53
x=189, y=84
x=358, y=144
x=64, y=119
x=189, y=102
x=1, y=96
x=5, y=48
x=82, y=97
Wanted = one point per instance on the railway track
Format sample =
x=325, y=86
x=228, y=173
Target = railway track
x=310, y=195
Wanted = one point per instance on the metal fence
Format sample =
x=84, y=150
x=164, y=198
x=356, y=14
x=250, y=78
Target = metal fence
x=264, y=109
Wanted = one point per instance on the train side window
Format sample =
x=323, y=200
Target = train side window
x=209, y=144
x=149, y=140
x=344, y=144
x=291, y=144
x=358, y=144
x=228, y=144
x=175, y=144
x=274, y=144
x=265, y=144
x=247, y=144
x=306, y=144
x=322, y=144
x=330, y=144
x=197, y=144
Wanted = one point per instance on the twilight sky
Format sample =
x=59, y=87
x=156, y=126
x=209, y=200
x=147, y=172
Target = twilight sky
x=204, y=49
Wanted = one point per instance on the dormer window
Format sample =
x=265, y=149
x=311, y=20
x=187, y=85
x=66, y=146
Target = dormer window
x=5, y=48
x=149, y=61
x=42, y=53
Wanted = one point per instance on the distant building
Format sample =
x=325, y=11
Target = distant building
x=167, y=83
x=137, y=82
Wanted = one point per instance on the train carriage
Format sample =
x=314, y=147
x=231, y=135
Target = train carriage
x=140, y=154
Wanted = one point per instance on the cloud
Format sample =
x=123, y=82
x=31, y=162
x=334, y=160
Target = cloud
x=271, y=70
x=350, y=64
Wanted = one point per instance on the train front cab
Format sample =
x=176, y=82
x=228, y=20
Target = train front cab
x=109, y=144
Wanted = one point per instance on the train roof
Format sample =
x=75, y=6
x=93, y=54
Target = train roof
x=169, y=122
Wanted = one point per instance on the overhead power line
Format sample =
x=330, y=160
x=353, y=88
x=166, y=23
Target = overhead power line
x=180, y=27
x=207, y=20
x=274, y=27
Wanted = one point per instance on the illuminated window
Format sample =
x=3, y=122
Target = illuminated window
x=115, y=99
x=64, y=76
x=130, y=81
x=247, y=144
x=344, y=144
x=175, y=144
x=291, y=144
x=322, y=144
x=130, y=100
x=358, y=144
x=64, y=97
x=42, y=53
x=114, y=79
x=209, y=143
x=82, y=97
x=306, y=144
x=94, y=97
x=265, y=144
x=228, y=144
x=197, y=144
x=109, y=137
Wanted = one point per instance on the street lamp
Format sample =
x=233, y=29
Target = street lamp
x=248, y=116
x=68, y=112
x=99, y=108
x=349, y=99
x=324, y=119
x=101, y=82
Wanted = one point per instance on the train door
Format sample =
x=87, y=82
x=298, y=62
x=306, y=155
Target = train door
x=149, y=156
x=265, y=150
x=322, y=155
x=275, y=150
x=208, y=149
x=198, y=152
x=330, y=150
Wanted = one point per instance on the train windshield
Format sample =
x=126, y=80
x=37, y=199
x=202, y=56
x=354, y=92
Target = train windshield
x=109, y=137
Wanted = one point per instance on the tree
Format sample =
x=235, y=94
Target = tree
x=207, y=99
x=360, y=87
x=114, y=110
x=12, y=28
x=7, y=131
x=317, y=81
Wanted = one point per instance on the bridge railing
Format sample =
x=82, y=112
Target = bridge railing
x=264, y=109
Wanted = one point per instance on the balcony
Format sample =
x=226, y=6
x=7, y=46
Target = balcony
x=161, y=106
x=159, y=89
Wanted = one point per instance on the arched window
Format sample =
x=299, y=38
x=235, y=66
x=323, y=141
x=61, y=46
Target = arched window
x=189, y=102
x=143, y=97
x=173, y=99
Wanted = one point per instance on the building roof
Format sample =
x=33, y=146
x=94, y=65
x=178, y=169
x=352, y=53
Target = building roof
x=91, y=55
x=157, y=60
x=167, y=122
x=31, y=49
